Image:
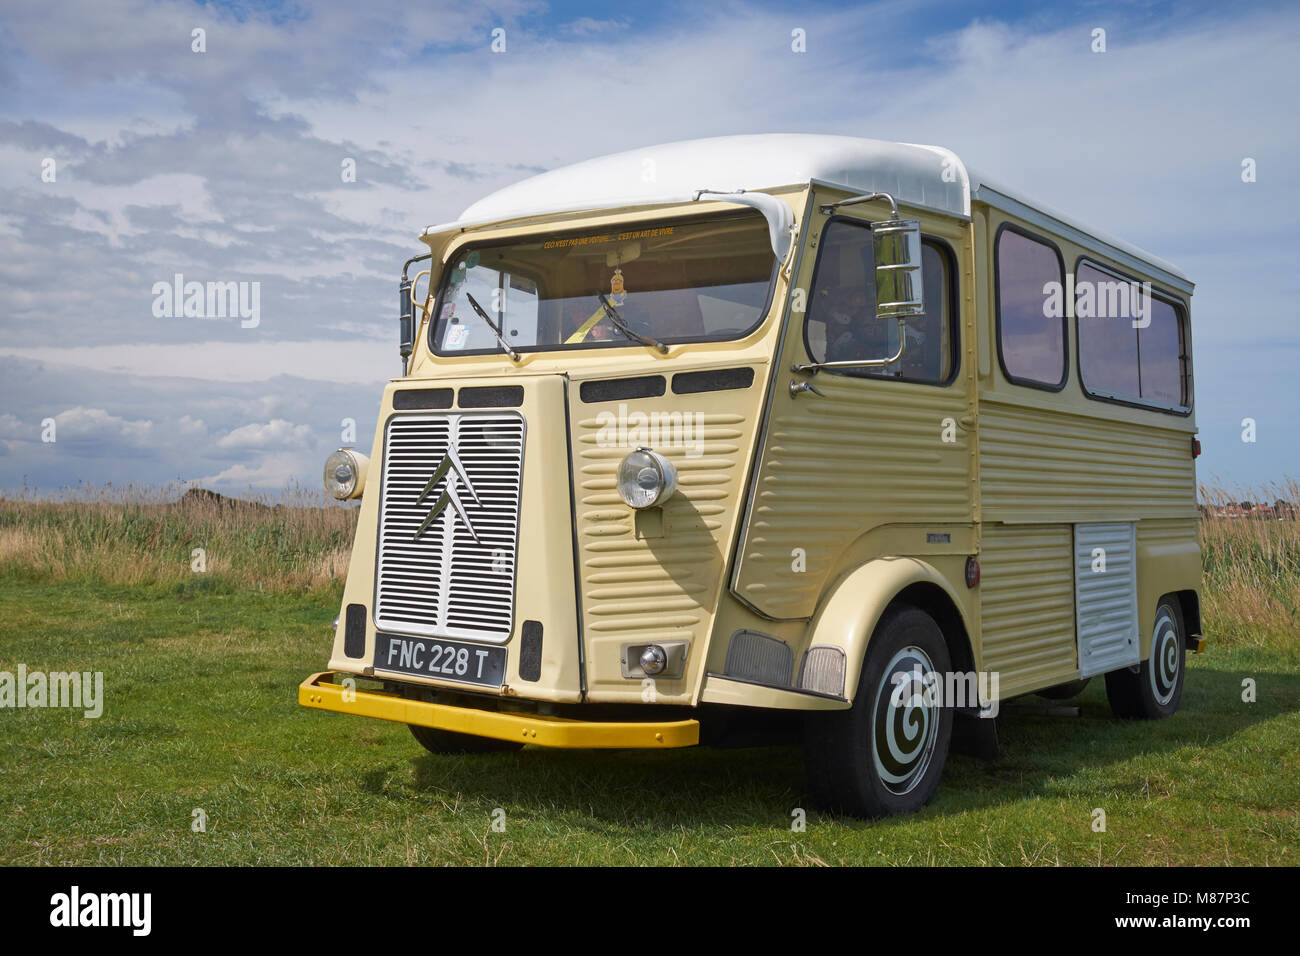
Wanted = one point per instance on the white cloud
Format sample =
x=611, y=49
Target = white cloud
x=98, y=425
x=275, y=434
x=13, y=429
x=270, y=471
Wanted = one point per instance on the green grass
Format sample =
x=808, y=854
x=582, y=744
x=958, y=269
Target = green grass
x=201, y=712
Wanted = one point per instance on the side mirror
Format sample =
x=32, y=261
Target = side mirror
x=900, y=289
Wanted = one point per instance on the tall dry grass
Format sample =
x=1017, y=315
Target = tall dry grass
x=146, y=536
x=1251, y=591
x=300, y=540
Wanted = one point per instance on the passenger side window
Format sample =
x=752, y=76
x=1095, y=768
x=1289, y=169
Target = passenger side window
x=1108, y=344
x=1124, y=356
x=1031, y=323
x=842, y=324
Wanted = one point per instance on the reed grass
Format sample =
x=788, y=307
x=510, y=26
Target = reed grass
x=145, y=536
x=299, y=540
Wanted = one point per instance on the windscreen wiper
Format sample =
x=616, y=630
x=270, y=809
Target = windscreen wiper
x=623, y=327
x=496, y=329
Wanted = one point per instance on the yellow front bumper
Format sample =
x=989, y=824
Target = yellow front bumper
x=319, y=691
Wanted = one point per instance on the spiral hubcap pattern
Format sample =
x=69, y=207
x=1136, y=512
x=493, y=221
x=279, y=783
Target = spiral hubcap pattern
x=906, y=719
x=1166, y=658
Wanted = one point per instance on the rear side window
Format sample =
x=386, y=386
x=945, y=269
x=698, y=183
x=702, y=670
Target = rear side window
x=1108, y=343
x=1131, y=345
x=1031, y=323
x=1162, y=357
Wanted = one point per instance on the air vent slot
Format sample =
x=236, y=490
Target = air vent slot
x=713, y=380
x=492, y=396
x=411, y=399
x=756, y=657
x=622, y=389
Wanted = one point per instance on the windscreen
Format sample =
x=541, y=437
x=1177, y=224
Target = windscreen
x=675, y=281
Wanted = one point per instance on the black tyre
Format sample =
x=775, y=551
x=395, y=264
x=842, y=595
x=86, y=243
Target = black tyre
x=447, y=742
x=1155, y=689
x=885, y=755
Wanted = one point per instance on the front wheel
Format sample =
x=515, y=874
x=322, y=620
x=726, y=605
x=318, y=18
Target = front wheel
x=1155, y=688
x=886, y=753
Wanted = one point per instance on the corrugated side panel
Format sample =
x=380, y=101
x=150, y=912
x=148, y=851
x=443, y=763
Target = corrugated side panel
x=643, y=589
x=1027, y=606
x=1105, y=596
x=1174, y=536
x=865, y=454
x=1040, y=465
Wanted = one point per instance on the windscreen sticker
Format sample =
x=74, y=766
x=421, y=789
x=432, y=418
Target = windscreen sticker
x=608, y=237
x=455, y=337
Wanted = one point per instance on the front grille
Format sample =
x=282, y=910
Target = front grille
x=443, y=582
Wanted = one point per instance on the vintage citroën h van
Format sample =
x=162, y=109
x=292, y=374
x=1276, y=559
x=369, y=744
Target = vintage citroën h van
x=673, y=462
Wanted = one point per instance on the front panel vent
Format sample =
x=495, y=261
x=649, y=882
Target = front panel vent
x=757, y=657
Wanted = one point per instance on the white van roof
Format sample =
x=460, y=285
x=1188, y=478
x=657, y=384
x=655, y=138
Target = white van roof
x=923, y=177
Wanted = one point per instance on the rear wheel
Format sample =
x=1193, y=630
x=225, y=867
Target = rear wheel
x=447, y=742
x=1155, y=689
x=885, y=755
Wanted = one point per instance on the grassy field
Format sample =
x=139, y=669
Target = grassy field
x=201, y=672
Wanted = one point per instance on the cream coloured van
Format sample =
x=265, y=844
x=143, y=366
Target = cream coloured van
x=770, y=438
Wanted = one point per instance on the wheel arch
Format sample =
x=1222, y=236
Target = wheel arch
x=849, y=615
x=1189, y=603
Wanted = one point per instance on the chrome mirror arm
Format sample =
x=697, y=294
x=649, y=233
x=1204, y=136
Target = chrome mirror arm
x=813, y=368
x=830, y=207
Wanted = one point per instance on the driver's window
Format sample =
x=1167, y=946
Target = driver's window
x=842, y=324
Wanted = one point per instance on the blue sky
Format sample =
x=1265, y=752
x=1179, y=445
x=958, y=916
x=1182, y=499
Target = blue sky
x=224, y=166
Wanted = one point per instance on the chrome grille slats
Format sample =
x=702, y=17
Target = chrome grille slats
x=447, y=583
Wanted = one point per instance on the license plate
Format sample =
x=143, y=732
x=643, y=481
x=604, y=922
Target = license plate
x=445, y=660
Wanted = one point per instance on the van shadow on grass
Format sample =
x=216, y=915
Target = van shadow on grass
x=1046, y=757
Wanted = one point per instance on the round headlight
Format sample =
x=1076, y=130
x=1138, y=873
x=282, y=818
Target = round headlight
x=646, y=478
x=345, y=473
